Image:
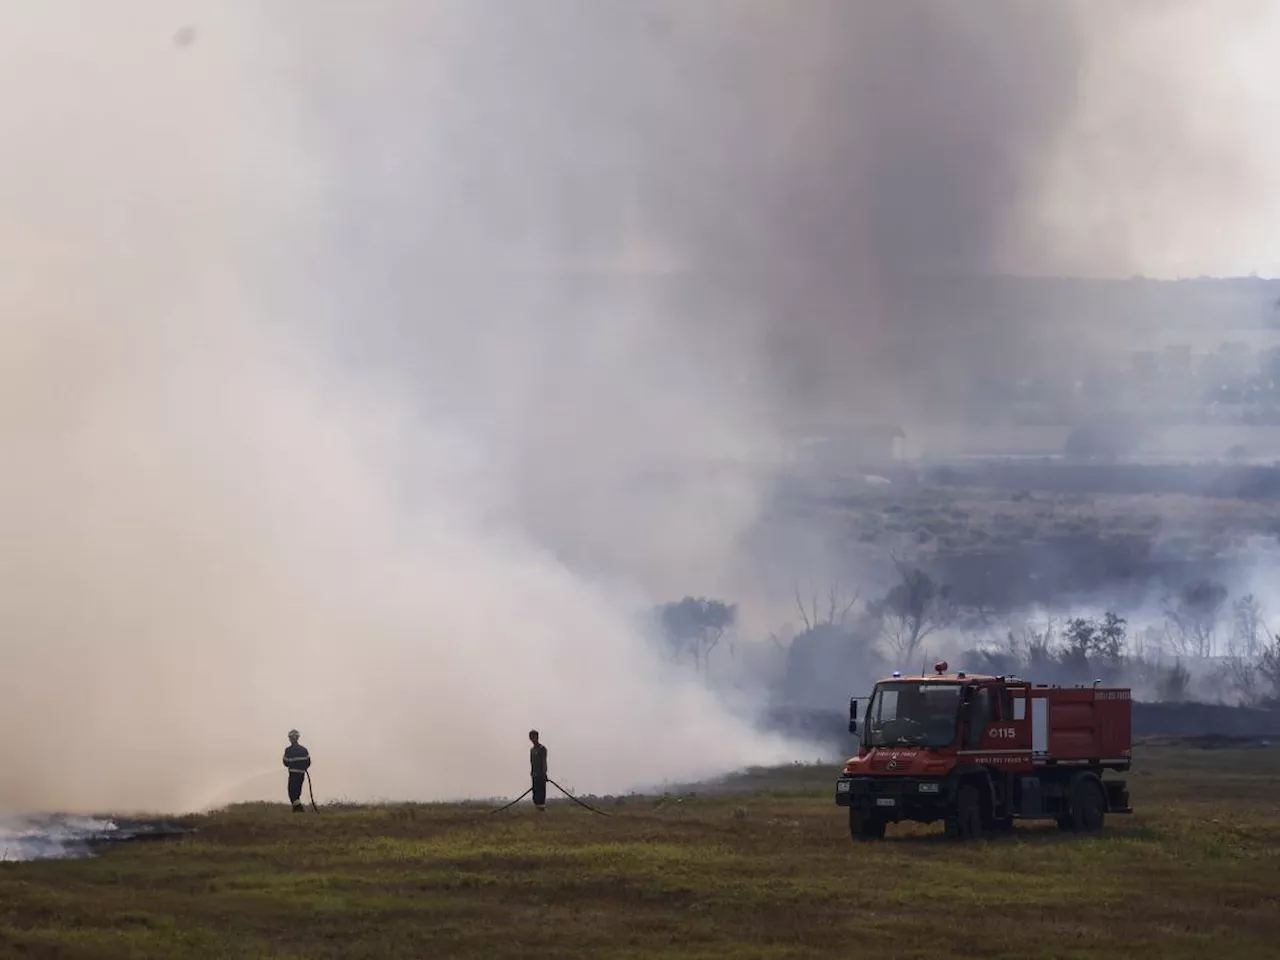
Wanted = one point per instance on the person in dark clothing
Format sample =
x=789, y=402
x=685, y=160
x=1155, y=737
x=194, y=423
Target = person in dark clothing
x=297, y=760
x=538, y=770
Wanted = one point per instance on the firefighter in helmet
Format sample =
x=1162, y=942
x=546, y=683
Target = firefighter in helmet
x=297, y=760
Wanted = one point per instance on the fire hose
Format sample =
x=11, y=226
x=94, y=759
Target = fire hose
x=562, y=790
x=581, y=803
x=311, y=792
x=513, y=802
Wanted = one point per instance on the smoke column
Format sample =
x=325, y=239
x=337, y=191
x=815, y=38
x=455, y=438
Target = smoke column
x=355, y=357
x=219, y=529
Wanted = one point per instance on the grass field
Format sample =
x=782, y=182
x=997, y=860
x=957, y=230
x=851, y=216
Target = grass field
x=764, y=868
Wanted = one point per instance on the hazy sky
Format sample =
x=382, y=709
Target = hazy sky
x=1084, y=137
x=1168, y=165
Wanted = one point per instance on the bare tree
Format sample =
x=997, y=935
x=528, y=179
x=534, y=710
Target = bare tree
x=913, y=609
x=837, y=609
x=812, y=618
x=1090, y=642
x=1145, y=643
x=1242, y=669
x=831, y=650
x=1247, y=627
x=1269, y=672
x=1024, y=638
x=1192, y=617
x=695, y=625
x=1173, y=683
x=1242, y=675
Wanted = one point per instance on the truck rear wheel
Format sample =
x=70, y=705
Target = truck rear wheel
x=864, y=826
x=1087, y=809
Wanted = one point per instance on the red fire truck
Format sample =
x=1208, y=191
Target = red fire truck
x=978, y=752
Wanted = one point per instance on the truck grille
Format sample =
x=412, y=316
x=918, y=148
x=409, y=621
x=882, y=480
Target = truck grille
x=883, y=787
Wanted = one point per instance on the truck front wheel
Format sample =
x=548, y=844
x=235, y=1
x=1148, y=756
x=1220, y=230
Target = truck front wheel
x=864, y=826
x=965, y=820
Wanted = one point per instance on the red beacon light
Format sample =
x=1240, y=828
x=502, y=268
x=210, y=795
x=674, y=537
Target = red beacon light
x=941, y=667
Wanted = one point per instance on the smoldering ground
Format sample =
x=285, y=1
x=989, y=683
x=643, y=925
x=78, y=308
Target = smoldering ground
x=50, y=838
x=343, y=344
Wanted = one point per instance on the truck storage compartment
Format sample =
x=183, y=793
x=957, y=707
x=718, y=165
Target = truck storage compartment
x=1031, y=803
x=1117, y=796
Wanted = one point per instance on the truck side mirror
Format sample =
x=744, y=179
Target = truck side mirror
x=853, y=715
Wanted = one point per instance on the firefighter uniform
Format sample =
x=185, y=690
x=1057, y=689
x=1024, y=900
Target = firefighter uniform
x=297, y=760
x=538, y=770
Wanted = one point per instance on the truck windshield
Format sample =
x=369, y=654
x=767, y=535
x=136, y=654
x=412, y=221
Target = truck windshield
x=912, y=714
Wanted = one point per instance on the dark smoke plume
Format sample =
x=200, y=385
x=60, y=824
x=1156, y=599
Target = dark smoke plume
x=789, y=181
x=772, y=174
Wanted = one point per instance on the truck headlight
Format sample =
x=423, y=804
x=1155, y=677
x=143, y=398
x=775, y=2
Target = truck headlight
x=928, y=788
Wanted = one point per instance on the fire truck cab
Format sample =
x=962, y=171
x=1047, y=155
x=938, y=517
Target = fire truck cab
x=978, y=752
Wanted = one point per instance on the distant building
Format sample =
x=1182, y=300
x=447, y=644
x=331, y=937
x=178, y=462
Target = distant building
x=852, y=445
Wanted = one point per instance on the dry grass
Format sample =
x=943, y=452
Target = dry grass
x=769, y=872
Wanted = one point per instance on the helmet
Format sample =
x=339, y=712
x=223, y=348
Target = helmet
x=293, y=734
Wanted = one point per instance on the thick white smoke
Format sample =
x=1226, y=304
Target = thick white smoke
x=215, y=531
x=337, y=392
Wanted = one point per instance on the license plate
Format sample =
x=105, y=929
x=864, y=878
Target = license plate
x=842, y=786
x=884, y=801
